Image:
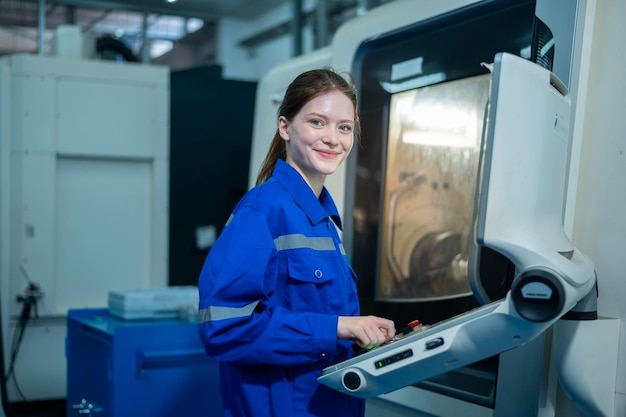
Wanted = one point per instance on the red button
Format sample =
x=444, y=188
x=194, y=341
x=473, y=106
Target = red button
x=414, y=323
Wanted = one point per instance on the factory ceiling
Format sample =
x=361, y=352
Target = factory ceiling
x=164, y=22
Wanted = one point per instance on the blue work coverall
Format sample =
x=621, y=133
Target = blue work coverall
x=271, y=291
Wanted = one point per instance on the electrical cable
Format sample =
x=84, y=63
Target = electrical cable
x=29, y=310
x=8, y=411
x=29, y=303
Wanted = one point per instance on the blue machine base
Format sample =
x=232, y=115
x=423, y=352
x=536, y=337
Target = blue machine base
x=156, y=368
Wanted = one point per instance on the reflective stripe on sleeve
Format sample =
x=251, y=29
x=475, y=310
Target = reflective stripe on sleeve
x=214, y=313
x=298, y=241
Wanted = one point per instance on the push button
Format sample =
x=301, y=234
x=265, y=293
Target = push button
x=435, y=343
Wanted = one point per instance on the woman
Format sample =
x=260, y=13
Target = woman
x=278, y=298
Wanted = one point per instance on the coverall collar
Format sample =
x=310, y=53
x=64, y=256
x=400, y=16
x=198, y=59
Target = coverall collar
x=316, y=209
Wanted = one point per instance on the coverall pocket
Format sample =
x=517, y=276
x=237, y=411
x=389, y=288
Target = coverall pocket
x=314, y=269
x=312, y=285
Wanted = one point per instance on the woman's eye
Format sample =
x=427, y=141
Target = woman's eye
x=316, y=122
x=345, y=128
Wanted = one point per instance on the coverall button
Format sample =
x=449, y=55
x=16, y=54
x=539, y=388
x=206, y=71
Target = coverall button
x=318, y=274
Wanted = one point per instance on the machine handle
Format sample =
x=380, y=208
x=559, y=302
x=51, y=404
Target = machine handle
x=168, y=358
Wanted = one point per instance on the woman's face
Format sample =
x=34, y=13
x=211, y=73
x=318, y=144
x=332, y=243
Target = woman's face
x=320, y=137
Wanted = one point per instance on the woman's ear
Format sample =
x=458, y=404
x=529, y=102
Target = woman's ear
x=283, y=127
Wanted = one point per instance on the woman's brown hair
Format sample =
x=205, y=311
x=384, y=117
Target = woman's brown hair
x=303, y=89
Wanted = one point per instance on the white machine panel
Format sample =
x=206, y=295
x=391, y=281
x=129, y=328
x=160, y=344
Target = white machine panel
x=89, y=146
x=84, y=163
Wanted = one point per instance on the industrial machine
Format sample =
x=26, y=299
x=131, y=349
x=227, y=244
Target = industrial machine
x=518, y=213
x=84, y=165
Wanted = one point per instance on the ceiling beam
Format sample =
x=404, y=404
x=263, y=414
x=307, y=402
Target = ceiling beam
x=171, y=10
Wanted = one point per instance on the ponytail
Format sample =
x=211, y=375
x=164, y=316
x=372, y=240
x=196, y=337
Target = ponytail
x=277, y=151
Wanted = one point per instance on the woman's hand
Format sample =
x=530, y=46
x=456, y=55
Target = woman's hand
x=367, y=331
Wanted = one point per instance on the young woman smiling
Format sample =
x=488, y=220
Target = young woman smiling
x=278, y=300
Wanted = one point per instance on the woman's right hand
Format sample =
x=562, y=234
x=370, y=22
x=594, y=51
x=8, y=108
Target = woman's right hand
x=367, y=331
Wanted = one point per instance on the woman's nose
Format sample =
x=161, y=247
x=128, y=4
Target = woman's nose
x=330, y=137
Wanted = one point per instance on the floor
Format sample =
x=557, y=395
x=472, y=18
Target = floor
x=54, y=408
